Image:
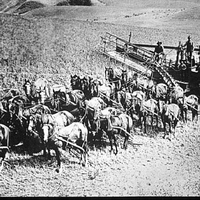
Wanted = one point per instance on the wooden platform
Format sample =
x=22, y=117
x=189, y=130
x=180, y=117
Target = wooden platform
x=130, y=63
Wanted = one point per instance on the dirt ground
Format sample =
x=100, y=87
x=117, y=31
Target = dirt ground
x=153, y=166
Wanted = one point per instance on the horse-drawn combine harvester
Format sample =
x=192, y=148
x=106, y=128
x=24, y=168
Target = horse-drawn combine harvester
x=44, y=116
x=140, y=59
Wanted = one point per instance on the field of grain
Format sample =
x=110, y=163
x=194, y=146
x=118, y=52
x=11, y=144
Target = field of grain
x=57, y=42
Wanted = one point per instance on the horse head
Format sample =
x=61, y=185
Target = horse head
x=47, y=131
x=94, y=88
x=84, y=84
x=124, y=78
x=60, y=98
x=75, y=82
x=34, y=122
x=109, y=73
x=27, y=87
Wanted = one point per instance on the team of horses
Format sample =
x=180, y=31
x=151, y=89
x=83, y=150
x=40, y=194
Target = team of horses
x=45, y=116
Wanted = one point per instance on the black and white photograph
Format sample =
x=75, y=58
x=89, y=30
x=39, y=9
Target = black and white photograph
x=99, y=98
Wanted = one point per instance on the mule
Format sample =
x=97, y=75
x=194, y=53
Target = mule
x=74, y=135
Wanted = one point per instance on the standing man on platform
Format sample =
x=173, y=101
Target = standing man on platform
x=159, y=52
x=189, y=48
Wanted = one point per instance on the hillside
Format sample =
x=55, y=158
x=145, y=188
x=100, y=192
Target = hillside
x=24, y=6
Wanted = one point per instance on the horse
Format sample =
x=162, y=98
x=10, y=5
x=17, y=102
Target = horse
x=176, y=95
x=120, y=125
x=36, y=122
x=149, y=108
x=136, y=102
x=74, y=135
x=102, y=121
x=170, y=114
x=85, y=86
x=93, y=106
x=39, y=92
x=105, y=92
x=114, y=76
x=33, y=113
x=37, y=109
x=4, y=114
x=160, y=92
x=75, y=82
x=72, y=101
x=4, y=142
x=191, y=103
x=146, y=85
x=31, y=93
x=17, y=122
x=128, y=81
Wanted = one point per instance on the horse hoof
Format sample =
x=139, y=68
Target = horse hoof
x=83, y=164
x=57, y=170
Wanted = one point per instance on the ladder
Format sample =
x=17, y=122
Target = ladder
x=167, y=78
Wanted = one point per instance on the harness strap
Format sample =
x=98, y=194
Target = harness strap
x=59, y=137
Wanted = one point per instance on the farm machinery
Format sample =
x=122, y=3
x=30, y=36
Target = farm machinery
x=140, y=58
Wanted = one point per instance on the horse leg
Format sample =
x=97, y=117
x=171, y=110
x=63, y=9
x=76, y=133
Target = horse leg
x=85, y=147
x=125, y=142
x=115, y=143
x=145, y=123
x=56, y=149
x=109, y=133
x=175, y=123
x=194, y=114
x=170, y=127
x=156, y=129
x=164, y=127
x=4, y=151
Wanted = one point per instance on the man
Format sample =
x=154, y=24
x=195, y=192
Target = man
x=189, y=48
x=159, y=52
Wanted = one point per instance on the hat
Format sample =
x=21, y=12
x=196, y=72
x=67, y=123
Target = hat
x=159, y=42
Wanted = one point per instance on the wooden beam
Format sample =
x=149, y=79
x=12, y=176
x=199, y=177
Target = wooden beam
x=148, y=45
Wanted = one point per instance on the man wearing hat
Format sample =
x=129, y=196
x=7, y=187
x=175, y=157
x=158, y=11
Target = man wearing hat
x=189, y=48
x=159, y=52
